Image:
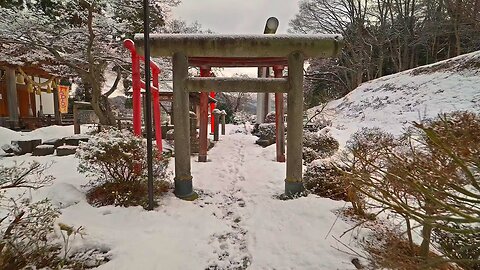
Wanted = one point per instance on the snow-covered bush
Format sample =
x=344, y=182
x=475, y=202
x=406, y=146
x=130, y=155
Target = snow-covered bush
x=325, y=180
x=270, y=117
x=321, y=122
x=430, y=174
x=241, y=117
x=317, y=146
x=116, y=160
x=266, y=134
x=26, y=228
x=27, y=233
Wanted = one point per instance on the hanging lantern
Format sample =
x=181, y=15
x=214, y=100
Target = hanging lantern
x=20, y=79
x=30, y=88
x=38, y=91
x=49, y=88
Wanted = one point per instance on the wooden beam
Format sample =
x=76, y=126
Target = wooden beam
x=220, y=84
x=201, y=45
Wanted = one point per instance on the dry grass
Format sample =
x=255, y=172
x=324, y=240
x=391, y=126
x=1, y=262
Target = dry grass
x=390, y=250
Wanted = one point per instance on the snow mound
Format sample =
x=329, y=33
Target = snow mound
x=44, y=133
x=393, y=102
x=61, y=195
x=7, y=135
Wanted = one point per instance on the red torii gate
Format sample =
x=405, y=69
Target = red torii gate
x=137, y=85
x=206, y=63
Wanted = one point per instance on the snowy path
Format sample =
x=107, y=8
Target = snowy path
x=230, y=246
x=236, y=223
x=239, y=185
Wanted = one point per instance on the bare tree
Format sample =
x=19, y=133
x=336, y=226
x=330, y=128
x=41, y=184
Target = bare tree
x=382, y=37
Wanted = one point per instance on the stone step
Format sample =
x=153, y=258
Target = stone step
x=66, y=150
x=43, y=150
x=21, y=147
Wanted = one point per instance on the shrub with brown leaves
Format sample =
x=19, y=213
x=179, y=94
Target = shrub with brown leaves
x=317, y=146
x=325, y=180
x=430, y=174
x=116, y=160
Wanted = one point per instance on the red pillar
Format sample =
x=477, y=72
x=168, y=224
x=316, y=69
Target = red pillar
x=136, y=86
x=156, y=110
x=203, y=136
x=212, y=107
x=279, y=123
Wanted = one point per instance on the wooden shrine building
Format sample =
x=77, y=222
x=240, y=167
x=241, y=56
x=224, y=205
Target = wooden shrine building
x=28, y=97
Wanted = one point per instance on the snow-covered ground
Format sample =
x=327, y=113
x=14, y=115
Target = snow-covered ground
x=236, y=221
x=51, y=132
x=393, y=102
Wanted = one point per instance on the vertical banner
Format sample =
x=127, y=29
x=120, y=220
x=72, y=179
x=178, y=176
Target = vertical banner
x=63, y=98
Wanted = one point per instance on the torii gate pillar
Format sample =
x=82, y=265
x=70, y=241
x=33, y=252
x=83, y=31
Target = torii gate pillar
x=183, y=176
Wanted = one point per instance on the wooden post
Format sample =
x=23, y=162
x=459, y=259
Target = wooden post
x=194, y=143
x=223, y=122
x=203, y=136
x=216, y=113
x=56, y=107
x=12, y=97
x=183, y=177
x=212, y=107
x=293, y=181
x=76, y=120
x=279, y=123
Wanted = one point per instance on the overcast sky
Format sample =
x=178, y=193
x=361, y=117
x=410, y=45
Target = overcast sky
x=237, y=16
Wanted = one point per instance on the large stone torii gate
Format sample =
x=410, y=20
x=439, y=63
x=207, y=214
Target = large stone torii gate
x=244, y=49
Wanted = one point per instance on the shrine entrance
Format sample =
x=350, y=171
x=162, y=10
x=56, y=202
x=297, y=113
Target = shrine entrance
x=206, y=51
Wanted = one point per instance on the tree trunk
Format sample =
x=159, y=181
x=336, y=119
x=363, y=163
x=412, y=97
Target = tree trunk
x=458, y=46
x=426, y=235
x=380, y=65
x=101, y=106
x=426, y=231
x=409, y=232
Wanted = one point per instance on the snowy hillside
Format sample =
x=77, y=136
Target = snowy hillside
x=392, y=102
